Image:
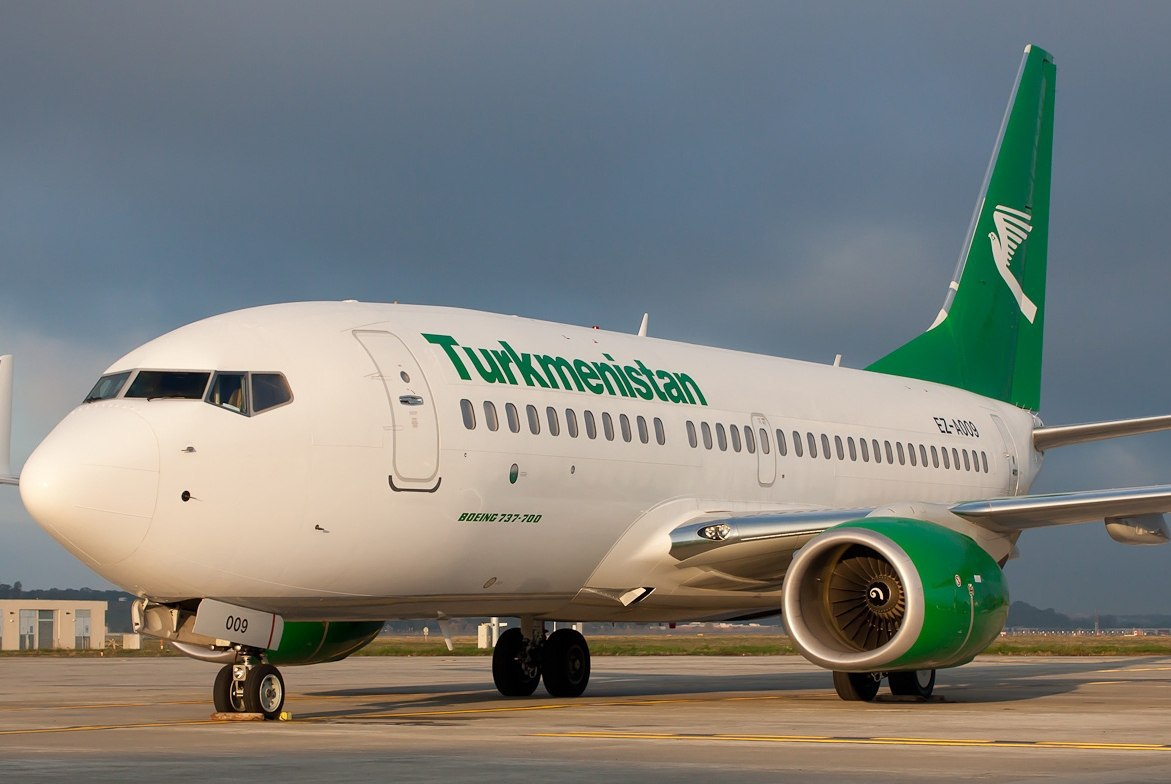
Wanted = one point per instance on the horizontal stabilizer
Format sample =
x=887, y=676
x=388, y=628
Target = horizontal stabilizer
x=1063, y=435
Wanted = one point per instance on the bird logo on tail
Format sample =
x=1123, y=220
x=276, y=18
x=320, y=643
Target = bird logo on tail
x=1012, y=228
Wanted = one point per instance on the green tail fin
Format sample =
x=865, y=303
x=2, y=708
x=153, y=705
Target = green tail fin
x=987, y=338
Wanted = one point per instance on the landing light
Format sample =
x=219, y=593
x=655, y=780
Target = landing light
x=717, y=533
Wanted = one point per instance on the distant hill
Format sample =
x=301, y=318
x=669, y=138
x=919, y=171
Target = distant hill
x=1025, y=616
x=1021, y=615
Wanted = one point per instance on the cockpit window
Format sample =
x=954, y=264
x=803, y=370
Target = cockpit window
x=107, y=387
x=153, y=384
x=230, y=390
x=239, y=391
x=269, y=390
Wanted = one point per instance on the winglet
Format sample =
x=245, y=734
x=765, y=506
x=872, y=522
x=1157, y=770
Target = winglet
x=6, y=477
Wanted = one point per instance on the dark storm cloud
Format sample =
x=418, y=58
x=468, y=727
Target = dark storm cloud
x=772, y=177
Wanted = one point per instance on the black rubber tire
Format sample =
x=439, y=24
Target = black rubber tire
x=916, y=683
x=223, y=694
x=856, y=686
x=507, y=671
x=264, y=691
x=565, y=663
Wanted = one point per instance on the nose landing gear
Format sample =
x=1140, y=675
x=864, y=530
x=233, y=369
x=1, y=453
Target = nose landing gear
x=250, y=687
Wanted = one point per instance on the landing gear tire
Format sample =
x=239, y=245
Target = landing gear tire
x=264, y=691
x=227, y=694
x=856, y=686
x=516, y=671
x=916, y=683
x=565, y=663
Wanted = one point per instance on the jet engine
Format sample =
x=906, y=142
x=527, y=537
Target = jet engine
x=318, y=642
x=891, y=594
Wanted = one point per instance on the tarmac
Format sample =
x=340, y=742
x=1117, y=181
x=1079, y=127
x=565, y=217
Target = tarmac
x=644, y=719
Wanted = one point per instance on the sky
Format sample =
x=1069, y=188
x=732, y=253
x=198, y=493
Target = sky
x=789, y=179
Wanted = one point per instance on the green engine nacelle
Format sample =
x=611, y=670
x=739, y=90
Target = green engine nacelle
x=887, y=594
x=317, y=642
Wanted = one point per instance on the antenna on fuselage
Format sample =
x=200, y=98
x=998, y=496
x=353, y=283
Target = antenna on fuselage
x=642, y=329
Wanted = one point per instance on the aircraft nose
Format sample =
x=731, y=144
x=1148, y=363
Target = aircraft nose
x=93, y=482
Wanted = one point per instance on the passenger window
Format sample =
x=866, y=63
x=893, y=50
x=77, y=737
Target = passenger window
x=513, y=417
x=691, y=437
x=571, y=422
x=469, y=413
x=608, y=425
x=706, y=429
x=890, y=457
x=534, y=420
x=107, y=387
x=721, y=437
x=923, y=455
x=984, y=461
x=812, y=442
x=911, y=454
x=269, y=390
x=230, y=391
x=735, y=433
x=967, y=461
x=644, y=435
x=825, y=446
x=490, y=418
x=764, y=445
x=661, y=432
x=554, y=422
x=782, y=447
x=838, y=448
x=749, y=440
x=797, y=443
x=624, y=422
x=946, y=459
x=955, y=458
x=877, y=450
x=865, y=446
x=853, y=449
x=591, y=425
x=899, y=449
x=934, y=457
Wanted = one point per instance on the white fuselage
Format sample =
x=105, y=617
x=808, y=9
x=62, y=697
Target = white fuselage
x=369, y=496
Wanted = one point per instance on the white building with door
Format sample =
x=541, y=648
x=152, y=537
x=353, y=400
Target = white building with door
x=50, y=624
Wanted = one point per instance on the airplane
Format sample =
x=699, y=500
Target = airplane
x=275, y=483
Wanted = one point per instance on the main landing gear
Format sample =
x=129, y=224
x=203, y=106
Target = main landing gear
x=525, y=655
x=863, y=686
x=251, y=687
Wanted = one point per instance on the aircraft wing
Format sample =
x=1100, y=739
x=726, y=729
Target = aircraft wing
x=757, y=547
x=1036, y=511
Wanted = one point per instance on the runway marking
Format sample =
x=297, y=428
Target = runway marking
x=96, y=727
x=875, y=741
x=543, y=707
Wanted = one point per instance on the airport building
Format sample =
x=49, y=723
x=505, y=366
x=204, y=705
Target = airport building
x=44, y=624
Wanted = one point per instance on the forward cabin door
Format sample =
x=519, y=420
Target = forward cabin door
x=414, y=424
x=766, y=451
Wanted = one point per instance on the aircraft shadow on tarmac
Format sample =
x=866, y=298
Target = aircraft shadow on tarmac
x=989, y=681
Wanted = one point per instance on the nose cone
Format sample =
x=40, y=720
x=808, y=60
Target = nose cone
x=93, y=482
